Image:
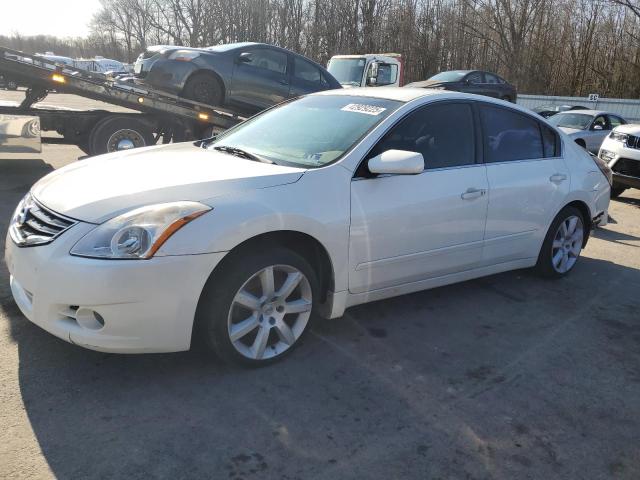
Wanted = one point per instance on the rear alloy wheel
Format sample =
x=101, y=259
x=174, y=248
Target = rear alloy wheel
x=258, y=307
x=563, y=243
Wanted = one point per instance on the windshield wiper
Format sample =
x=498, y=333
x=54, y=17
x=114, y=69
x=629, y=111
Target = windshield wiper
x=238, y=152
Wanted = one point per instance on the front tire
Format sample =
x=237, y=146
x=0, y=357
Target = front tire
x=256, y=309
x=203, y=88
x=562, y=244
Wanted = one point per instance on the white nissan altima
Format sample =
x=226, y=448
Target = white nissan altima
x=332, y=200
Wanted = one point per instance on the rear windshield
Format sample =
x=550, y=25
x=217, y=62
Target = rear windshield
x=449, y=76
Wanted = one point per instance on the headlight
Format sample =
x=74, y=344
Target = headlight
x=606, y=155
x=138, y=234
x=183, y=55
x=619, y=137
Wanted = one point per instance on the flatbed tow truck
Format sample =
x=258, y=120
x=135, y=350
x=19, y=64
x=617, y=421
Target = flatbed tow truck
x=158, y=116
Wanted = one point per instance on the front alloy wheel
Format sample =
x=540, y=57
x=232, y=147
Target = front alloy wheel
x=270, y=312
x=257, y=306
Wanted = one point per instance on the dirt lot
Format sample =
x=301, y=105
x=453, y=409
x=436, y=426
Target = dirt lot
x=507, y=377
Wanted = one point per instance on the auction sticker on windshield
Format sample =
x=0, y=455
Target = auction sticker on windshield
x=362, y=108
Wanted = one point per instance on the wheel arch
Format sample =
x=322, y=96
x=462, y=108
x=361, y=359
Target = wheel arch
x=211, y=73
x=586, y=215
x=305, y=245
x=581, y=142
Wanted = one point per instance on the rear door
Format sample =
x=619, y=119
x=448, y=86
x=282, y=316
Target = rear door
x=408, y=228
x=261, y=78
x=528, y=182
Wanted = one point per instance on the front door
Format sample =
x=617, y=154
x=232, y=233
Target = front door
x=407, y=228
x=260, y=78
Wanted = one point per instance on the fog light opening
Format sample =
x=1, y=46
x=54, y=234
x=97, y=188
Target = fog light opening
x=89, y=319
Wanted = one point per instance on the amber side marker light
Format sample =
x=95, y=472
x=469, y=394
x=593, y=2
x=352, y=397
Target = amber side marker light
x=171, y=229
x=58, y=78
x=203, y=116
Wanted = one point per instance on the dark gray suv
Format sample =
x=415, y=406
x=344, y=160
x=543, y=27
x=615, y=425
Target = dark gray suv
x=247, y=76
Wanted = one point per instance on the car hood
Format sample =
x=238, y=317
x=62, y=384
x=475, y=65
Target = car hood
x=570, y=131
x=630, y=128
x=98, y=189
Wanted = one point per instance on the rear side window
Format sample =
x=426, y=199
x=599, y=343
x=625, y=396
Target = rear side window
x=306, y=71
x=490, y=78
x=509, y=135
x=443, y=134
x=474, y=78
x=550, y=142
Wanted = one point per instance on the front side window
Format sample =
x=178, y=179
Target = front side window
x=268, y=59
x=310, y=132
x=474, y=78
x=387, y=74
x=600, y=122
x=443, y=134
x=509, y=135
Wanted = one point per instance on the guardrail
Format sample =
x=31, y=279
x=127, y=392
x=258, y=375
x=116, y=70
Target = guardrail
x=629, y=109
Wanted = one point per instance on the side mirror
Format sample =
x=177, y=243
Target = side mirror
x=598, y=127
x=398, y=162
x=244, y=57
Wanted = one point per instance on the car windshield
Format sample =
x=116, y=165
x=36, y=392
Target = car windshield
x=453, y=76
x=348, y=71
x=310, y=132
x=579, y=121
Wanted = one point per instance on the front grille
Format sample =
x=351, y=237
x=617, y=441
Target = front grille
x=626, y=166
x=633, y=142
x=34, y=224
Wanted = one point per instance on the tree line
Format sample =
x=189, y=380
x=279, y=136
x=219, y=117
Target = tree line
x=550, y=47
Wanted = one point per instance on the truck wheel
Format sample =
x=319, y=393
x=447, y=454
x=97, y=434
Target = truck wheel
x=204, y=88
x=117, y=133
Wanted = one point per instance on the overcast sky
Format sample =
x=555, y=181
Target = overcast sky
x=62, y=18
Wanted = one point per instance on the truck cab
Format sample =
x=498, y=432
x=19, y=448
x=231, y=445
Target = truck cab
x=368, y=70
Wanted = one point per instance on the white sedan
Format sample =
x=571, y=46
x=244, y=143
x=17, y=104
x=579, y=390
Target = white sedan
x=333, y=200
x=588, y=128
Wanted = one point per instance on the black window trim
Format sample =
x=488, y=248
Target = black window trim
x=477, y=138
x=559, y=144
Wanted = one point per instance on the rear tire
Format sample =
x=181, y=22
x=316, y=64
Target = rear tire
x=562, y=245
x=617, y=191
x=204, y=88
x=117, y=133
x=245, y=314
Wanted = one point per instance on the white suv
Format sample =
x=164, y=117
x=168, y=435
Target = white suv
x=322, y=203
x=621, y=150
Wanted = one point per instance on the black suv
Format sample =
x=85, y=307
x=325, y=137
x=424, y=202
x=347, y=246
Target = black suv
x=471, y=81
x=247, y=76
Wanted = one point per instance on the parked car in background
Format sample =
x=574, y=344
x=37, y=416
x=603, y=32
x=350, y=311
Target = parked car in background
x=547, y=111
x=588, y=128
x=8, y=83
x=621, y=150
x=471, y=81
x=333, y=200
x=248, y=76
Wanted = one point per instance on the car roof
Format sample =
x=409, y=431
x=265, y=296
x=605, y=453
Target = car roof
x=593, y=113
x=225, y=47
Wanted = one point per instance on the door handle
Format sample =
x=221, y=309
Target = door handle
x=473, y=193
x=557, y=178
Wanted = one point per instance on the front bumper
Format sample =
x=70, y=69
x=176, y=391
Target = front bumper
x=141, y=305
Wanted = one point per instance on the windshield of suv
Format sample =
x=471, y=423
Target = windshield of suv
x=310, y=132
x=579, y=121
x=454, y=76
x=348, y=71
